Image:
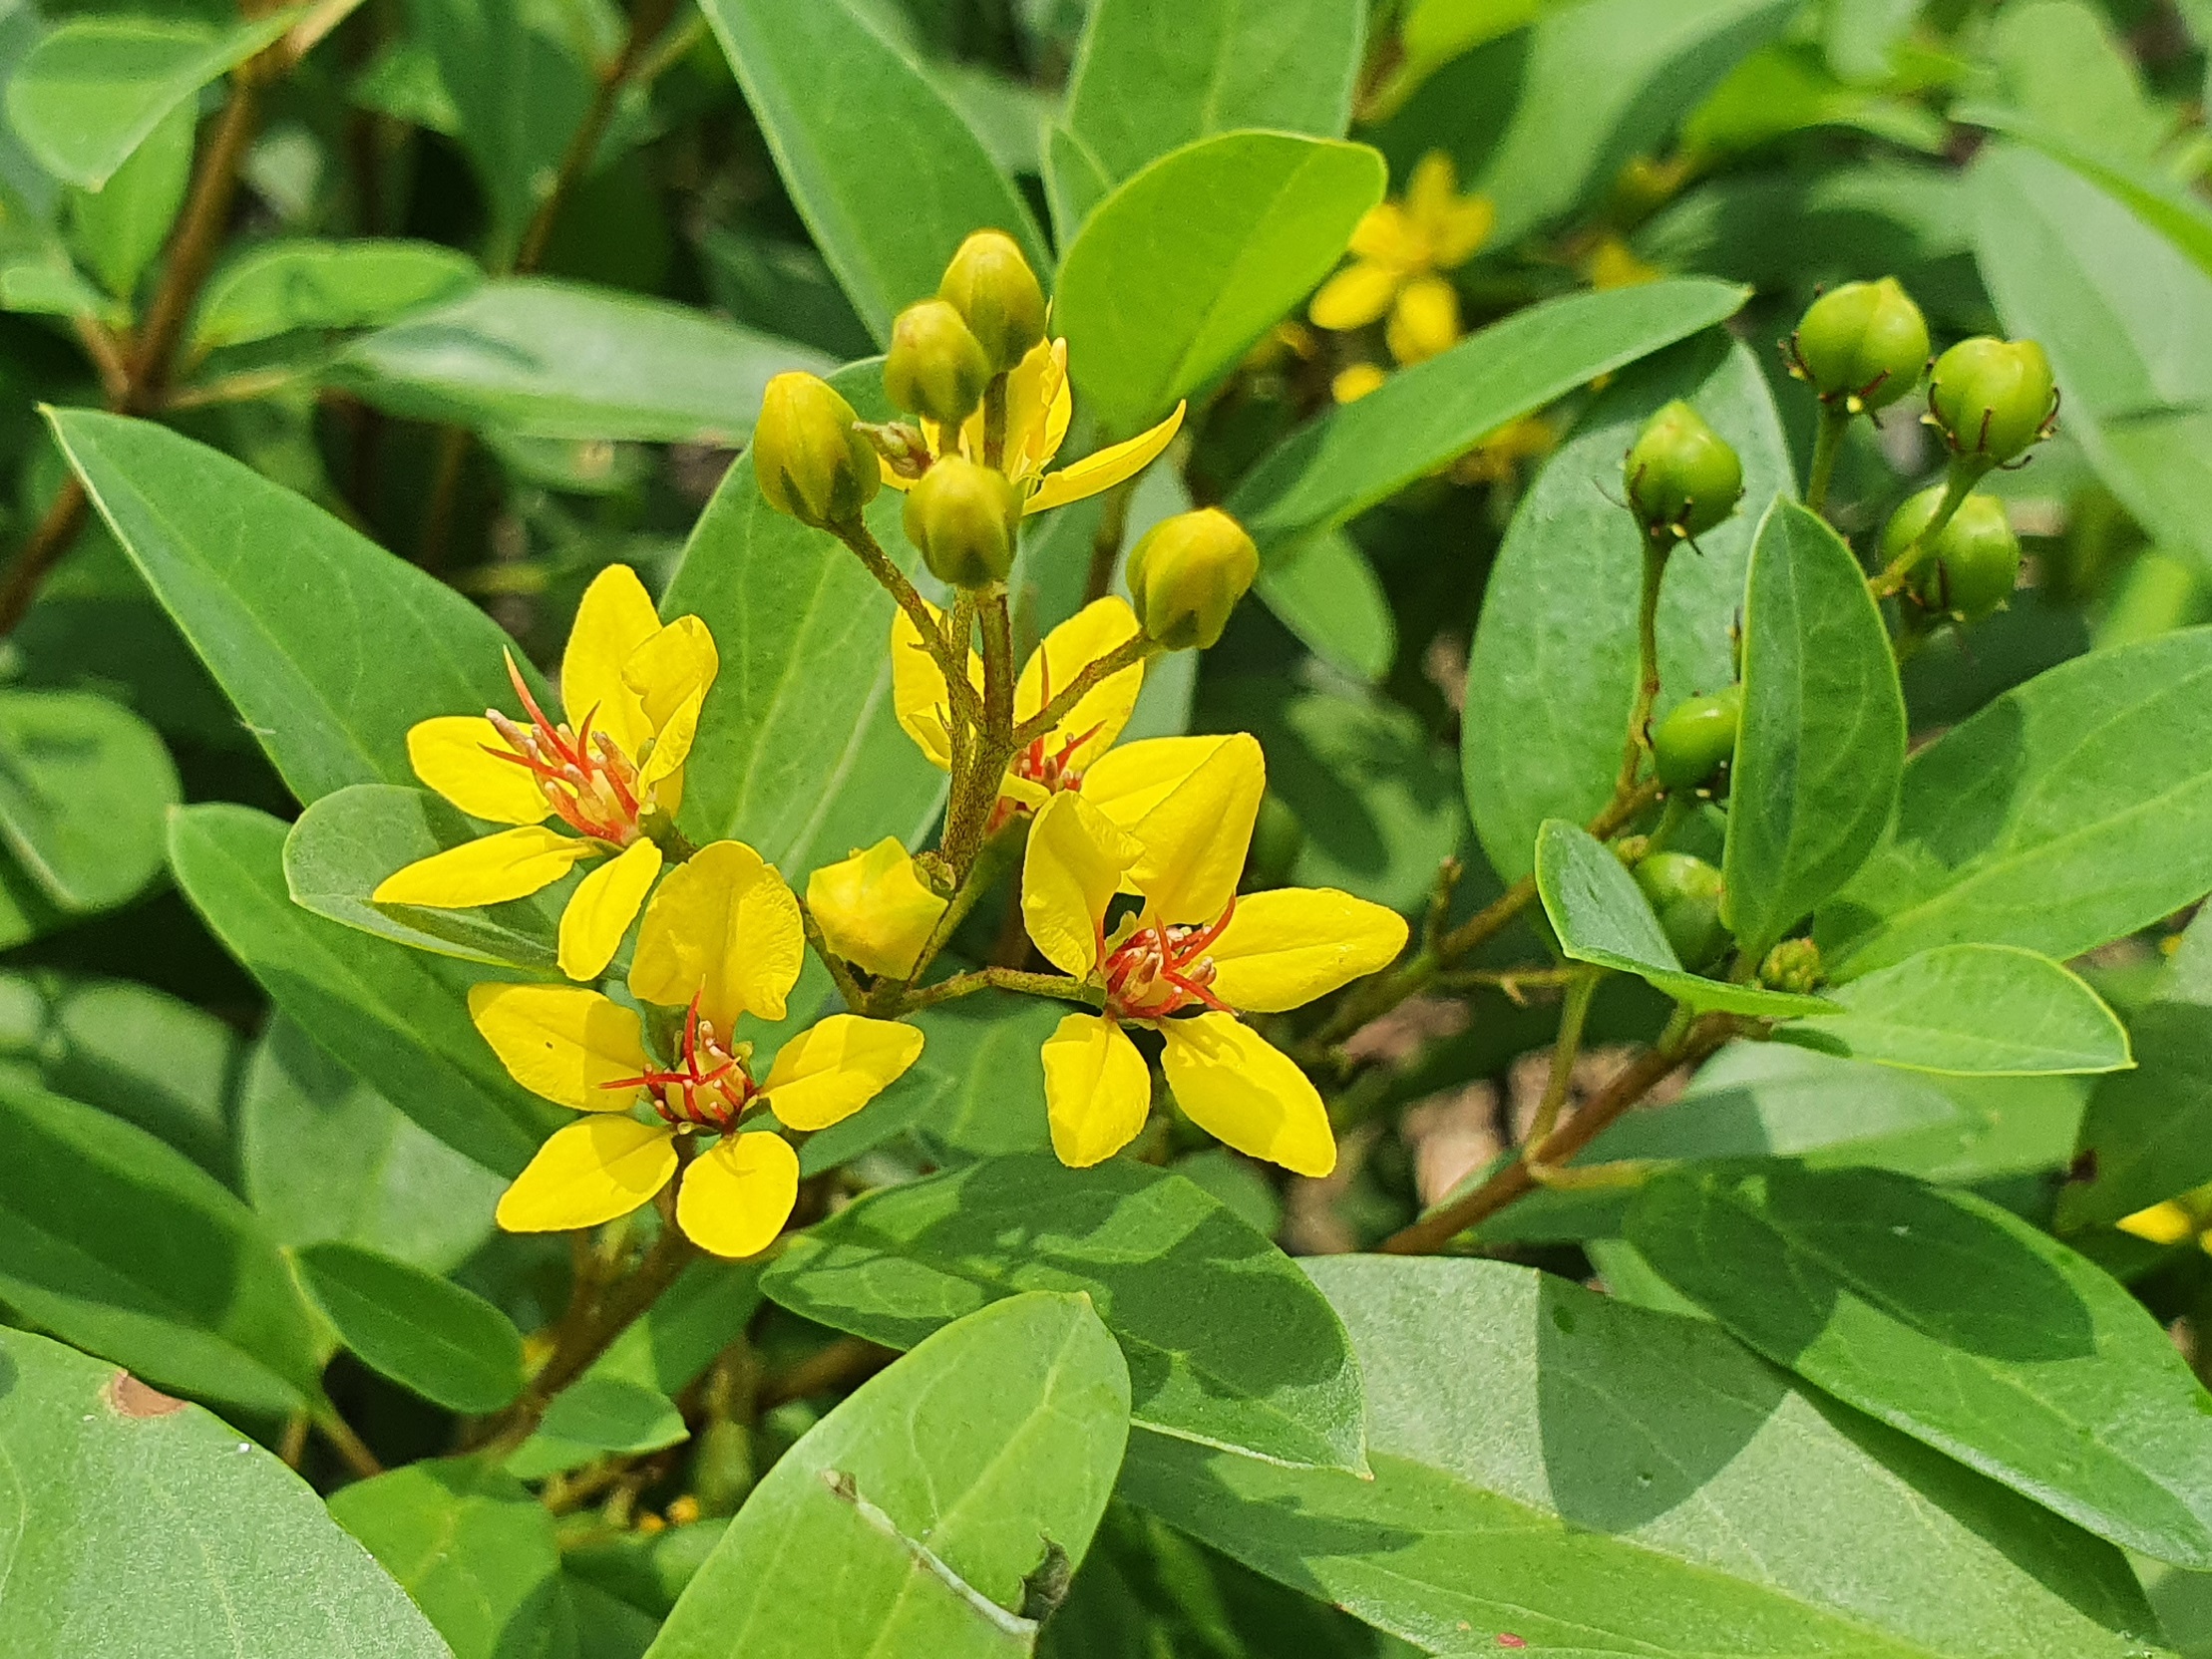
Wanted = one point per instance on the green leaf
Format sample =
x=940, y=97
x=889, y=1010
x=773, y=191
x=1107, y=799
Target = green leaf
x=394, y=1016
x=881, y=168
x=2060, y=65
x=1360, y=453
x=1981, y=1010
x=476, y=1552
x=1226, y=1343
x=2072, y=811
x=86, y=95
x=117, y=233
x=85, y=791
x=799, y=752
x=280, y=286
x=906, y=1520
x=565, y=360
x=1553, y=667
x=1822, y=742
x=324, y=1157
x=1602, y=917
x=595, y=1415
x=447, y=1344
x=1435, y=31
x=1324, y=592
x=137, y=1524
x=1958, y=1323
x=1634, y=1482
x=352, y=839
x=119, y=1244
x=329, y=647
x=1259, y=216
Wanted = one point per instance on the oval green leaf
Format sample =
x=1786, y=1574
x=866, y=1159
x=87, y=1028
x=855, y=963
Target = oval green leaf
x=298, y=282
x=1324, y=592
x=448, y=1344
x=86, y=787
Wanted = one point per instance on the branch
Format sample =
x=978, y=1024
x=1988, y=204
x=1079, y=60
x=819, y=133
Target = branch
x=1136, y=649
x=1057, y=985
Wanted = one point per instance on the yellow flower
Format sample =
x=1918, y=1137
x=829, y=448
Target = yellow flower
x=1355, y=381
x=1613, y=265
x=1497, y=458
x=1399, y=252
x=1038, y=405
x=875, y=910
x=722, y=938
x=633, y=690
x=1186, y=963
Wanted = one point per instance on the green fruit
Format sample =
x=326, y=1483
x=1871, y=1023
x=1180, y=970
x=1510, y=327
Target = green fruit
x=1973, y=564
x=1697, y=738
x=1863, y=344
x=1993, y=398
x=1685, y=896
x=1681, y=476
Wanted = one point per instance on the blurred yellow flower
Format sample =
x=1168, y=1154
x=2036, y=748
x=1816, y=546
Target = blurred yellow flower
x=1400, y=252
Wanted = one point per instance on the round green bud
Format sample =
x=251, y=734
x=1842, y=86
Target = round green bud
x=1681, y=476
x=1794, y=965
x=1187, y=575
x=1697, y=738
x=1971, y=566
x=1863, y=344
x=1993, y=398
x=809, y=455
x=1685, y=896
x=992, y=286
x=934, y=367
x=964, y=517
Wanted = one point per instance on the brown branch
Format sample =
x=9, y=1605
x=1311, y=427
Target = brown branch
x=198, y=238
x=55, y=536
x=1131, y=651
x=847, y=1361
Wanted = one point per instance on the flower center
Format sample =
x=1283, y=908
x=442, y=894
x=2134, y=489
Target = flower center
x=584, y=776
x=1158, y=971
x=709, y=1089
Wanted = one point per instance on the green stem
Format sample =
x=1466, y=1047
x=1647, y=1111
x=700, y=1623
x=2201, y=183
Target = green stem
x=1675, y=814
x=1828, y=445
x=1130, y=652
x=994, y=422
x=1965, y=474
x=1566, y=1048
x=1655, y=550
x=1055, y=985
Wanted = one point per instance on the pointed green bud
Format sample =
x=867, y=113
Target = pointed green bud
x=934, y=367
x=1685, y=896
x=965, y=517
x=1681, y=476
x=1992, y=399
x=809, y=456
x=1971, y=566
x=993, y=287
x=1863, y=345
x=1187, y=575
x=1697, y=738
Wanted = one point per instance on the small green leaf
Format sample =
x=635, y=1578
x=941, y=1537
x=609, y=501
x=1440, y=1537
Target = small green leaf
x=1958, y=1323
x=117, y=233
x=138, y=1524
x=1822, y=741
x=1602, y=917
x=1261, y=218
x=447, y=1344
x=1324, y=592
x=594, y=1416
x=921, y=1504
x=280, y=286
x=85, y=791
x=1226, y=1343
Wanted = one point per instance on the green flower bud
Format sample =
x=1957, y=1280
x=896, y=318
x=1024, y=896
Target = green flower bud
x=992, y=286
x=1685, y=896
x=934, y=367
x=1993, y=398
x=1697, y=738
x=1681, y=476
x=1971, y=566
x=1187, y=575
x=810, y=460
x=964, y=517
x=1794, y=965
x=1863, y=345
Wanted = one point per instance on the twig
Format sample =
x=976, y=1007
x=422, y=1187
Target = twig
x=1131, y=651
x=1057, y=985
x=1648, y=667
x=107, y=355
x=348, y=1445
x=27, y=572
x=847, y=1361
x=198, y=238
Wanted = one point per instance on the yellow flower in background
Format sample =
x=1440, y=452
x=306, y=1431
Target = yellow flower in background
x=1400, y=252
x=1356, y=380
x=874, y=909
x=722, y=939
x=1497, y=458
x=1191, y=958
x=1613, y=265
x=633, y=690
x=1038, y=405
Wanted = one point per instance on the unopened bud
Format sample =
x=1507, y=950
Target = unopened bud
x=1685, y=896
x=1681, y=476
x=1187, y=575
x=1862, y=345
x=1973, y=564
x=810, y=459
x=993, y=287
x=934, y=367
x=1992, y=399
x=873, y=909
x=1697, y=738
x=1794, y=967
x=965, y=517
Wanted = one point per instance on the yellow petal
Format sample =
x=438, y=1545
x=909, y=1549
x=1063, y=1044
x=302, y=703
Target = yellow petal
x=917, y=690
x=1356, y=380
x=510, y=864
x=874, y=909
x=662, y=773
x=1284, y=948
x=590, y=1173
x=1386, y=236
x=1424, y=322
x=1246, y=1093
x=1099, y=627
x=737, y=1196
x=723, y=928
x=1459, y=229
x=672, y=668
x=1037, y=407
x=458, y=754
x=2166, y=1224
x=1097, y=1090
x=1193, y=842
x=1355, y=296
x=1431, y=189
x=615, y=619
x=836, y=1066
x=1127, y=782
x=1069, y=875
x=601, y=910
x=562, y=1043
x=1105, y=468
